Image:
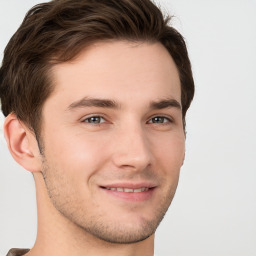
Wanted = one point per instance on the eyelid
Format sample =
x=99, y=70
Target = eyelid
x=93, y=115
x=169, y=118
x=102, y=116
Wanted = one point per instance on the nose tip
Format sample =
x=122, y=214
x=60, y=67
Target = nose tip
x=138, y=162
x=132, y=151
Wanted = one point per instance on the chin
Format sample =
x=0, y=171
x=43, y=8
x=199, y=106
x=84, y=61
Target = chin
x=122, y=234
x=121, y=231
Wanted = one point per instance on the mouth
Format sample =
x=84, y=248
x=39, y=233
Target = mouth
x=132, y=193
x=127, y=190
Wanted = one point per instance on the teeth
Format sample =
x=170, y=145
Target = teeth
x=128, y=190
x=139, y=190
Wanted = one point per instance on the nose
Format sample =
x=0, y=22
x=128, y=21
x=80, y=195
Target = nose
x=132, y=149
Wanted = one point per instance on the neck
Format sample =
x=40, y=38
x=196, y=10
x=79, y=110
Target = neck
x=59, y=236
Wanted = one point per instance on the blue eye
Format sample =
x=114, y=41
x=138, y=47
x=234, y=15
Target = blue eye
x=94, y=120
x=160, y=120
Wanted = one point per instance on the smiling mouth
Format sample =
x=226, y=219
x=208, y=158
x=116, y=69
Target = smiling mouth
x=127, y=190
x=130, y=193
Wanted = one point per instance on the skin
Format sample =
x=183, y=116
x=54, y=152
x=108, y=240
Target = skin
x=113, y=120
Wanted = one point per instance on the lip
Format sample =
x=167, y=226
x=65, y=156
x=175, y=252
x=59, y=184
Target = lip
x=129, y=185
x=130, y=196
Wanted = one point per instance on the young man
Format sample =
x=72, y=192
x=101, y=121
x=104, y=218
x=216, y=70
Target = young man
x=95, y=95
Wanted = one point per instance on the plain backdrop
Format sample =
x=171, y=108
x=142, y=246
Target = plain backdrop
x=214, y=211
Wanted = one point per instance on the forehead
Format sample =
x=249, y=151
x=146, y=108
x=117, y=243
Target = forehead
x=118, y=70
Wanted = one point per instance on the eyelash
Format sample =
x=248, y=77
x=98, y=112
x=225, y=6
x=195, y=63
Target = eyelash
x=165, y=120
x=86, y=120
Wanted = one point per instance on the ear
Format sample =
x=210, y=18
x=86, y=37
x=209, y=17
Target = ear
x=22, y=144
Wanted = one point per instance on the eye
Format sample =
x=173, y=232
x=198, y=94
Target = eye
x=159, y=120
x=94, y=120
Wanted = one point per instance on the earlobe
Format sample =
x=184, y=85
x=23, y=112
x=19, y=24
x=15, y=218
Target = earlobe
x=21, y=144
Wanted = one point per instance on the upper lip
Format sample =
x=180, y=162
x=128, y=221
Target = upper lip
x=130, y=185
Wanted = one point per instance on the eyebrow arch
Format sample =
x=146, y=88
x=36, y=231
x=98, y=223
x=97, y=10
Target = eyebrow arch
x=93, y=102
x=166, y=103
x=106, y=103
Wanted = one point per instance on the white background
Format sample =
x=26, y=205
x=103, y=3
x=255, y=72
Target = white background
x=214, y=211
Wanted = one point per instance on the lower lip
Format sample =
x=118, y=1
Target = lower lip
x=132, y=196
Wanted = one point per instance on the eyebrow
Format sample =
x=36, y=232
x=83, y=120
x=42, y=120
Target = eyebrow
x=107, y=103
x=166, y=103
x=93, y=102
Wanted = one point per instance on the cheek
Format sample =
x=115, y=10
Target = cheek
x=76, y=153
x=171, y=157
x=71, y=162
x=170, y=153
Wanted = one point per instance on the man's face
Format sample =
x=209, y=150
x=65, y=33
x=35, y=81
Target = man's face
x=113, y=139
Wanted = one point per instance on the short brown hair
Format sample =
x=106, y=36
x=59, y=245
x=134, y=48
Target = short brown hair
x=57, y=31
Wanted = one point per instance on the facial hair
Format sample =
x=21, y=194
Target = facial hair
x=64, y=197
